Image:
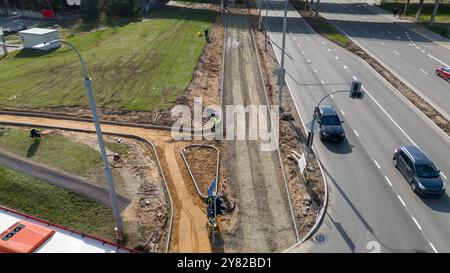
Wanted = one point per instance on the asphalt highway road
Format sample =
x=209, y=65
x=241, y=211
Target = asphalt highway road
x=410, y=56
x=371, y=205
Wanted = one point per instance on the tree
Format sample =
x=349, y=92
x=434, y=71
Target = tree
x=90, y=10
x=419, y=10
x=433, y=15
x=406, y=6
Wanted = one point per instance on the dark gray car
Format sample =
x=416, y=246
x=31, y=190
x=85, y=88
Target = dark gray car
x=330, y=125
x=418, y=170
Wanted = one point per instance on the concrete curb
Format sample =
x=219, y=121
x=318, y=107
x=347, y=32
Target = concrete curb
x=189, y=169
x=169, y=234
x=320, y=217
x=294, y=222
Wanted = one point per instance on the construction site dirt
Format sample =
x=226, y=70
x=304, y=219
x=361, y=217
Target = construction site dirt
x=262, y=221
x=307, y=192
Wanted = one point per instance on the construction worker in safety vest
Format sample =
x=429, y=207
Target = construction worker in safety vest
x=215, y=121
x=35, y=133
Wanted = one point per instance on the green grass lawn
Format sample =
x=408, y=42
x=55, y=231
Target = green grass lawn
x=136, y=66
x=42, y=200
x=442, y=20
x=59, y=152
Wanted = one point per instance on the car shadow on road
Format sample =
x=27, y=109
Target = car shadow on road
x=439, y=203
x=33, y=148
x=342, y=147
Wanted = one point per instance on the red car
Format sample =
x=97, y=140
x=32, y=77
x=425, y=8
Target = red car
x=444, y=72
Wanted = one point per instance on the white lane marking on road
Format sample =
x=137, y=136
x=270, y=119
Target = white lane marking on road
x=389, y=116
x=432, y=246
x=315, y=70
x=323, y=43
x=436, y=59
x=414, y=44
x=423, y=71
x=342, y=112
x=344, y=66
x=418, y=47
x=401, y=200
x=410, y=44
x=308, y=61
x=355, y=78
x=329, y=50
x=395, y=52
x=336, y=57
x=376, y=163
x=322, y=82
x=332, y=96
x=356, y=132
x=423, y=51
x=417, y=223
x=443, y=175
x=389, y=181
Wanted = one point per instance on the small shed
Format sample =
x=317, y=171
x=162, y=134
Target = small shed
x=34, y=36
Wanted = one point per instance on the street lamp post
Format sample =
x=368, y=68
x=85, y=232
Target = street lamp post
x=106, y=167
x=265, y=26
x=282, y=71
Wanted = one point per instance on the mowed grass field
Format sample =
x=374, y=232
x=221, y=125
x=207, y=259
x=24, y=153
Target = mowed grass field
x=138, y=66
x=59, y=152
x=42, y=200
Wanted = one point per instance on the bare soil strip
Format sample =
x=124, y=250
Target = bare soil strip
x=307, y=192
x=263, y=221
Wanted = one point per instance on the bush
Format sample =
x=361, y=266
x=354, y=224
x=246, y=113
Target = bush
x=122, y=7
x=90, y=10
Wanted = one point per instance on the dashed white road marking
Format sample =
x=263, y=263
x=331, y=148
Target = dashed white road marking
x=423, y=71
x=376, y=163
x=308, y=61
x=344, y=66
x=395, y=52
x=436, y=59
x=336, y=57
x=303, y=52
x=418, y=47
x=443, y=175
x=432, y=246
x=299, y=45
x=322, y=82
x=389, y=116
x=315, y=70
x=342, y=112
x=323, y=43
x=401, y=200
x=422, y=51
x=332, y=96
x=389, y=181
x=417, y=223
x=329, y=50
x=356, y=132
x=355, y=78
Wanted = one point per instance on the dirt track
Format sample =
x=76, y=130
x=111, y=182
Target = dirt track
x=264, y=223
x=191, y=234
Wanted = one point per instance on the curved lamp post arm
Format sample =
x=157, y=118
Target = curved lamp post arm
x=326, y=96
x=106, y=167
x=83, y=65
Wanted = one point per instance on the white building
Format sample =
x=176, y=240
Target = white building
x=34, y=36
